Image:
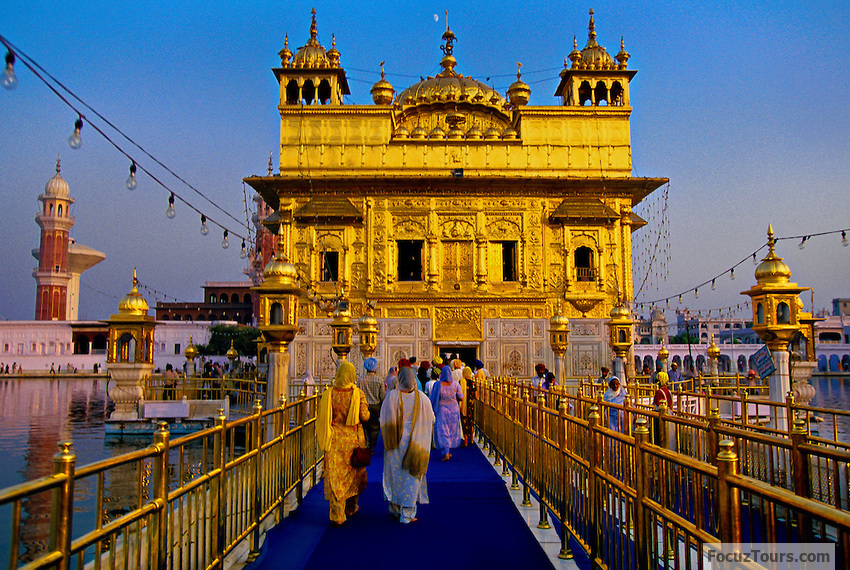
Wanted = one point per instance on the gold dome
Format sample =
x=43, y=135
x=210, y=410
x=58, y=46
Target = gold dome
x=382, y=91
x=454, y=134
x=593, y=56
x=450, y=86
x=492, y=133
x=312, y=55
x=519, y=91
x=333, y=53
x=280, y=272
x=619, y=313
x=559, y=320
x=231, y=353
x=474, y=133
x=133, y=303
x=713, y=351
x=772, y=269
x=418, y=133
x=191, y=353
x=401, y=133
x=285, y=54
x=509, y=133
x=437, y=133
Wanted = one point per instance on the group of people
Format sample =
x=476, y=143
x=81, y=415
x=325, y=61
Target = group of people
x=411, y=417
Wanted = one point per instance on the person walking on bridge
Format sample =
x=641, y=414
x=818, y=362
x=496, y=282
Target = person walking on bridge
x=445, y=396
x=407, y=421
x=339, y=431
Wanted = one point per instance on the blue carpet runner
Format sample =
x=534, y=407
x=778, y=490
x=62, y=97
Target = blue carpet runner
x=471, y=522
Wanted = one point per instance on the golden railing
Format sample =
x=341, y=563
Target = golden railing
x=668, y=484
x=185, y=503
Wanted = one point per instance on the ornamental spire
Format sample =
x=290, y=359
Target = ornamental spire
x=591, y=31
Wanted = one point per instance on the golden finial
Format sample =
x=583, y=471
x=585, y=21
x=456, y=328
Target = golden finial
x=447, y=20
x=135, y=280
x=518, y=70
x=382, y=69
x=270, y=162
x=313, y=32
x=58, y=163
x=591, y=29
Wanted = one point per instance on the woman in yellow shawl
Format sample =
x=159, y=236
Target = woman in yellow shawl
x=338, y=427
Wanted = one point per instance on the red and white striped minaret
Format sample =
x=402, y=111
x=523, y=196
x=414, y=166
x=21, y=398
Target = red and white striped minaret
x=51, y=275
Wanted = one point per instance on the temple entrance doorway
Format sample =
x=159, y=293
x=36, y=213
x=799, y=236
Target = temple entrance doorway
x=468, y=354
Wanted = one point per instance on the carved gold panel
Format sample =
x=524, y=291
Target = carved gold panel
x=457, y=323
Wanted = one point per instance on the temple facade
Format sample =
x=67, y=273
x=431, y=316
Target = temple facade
x=462, y=218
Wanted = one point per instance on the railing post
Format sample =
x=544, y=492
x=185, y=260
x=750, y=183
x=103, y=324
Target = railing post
x=592, y=491
x=62, y=507
x=728, y=497
x=219, y=485
x=713, y=420
x=541, y=449
x=526, y=464
x=566, y=552
x=256, y=467
x=745, y=407
x=641, y=438
x=663, y=432
x=159, y=531
x=790, y=412
x=802, y=485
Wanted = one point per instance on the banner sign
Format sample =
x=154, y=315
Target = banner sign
x=763, y=362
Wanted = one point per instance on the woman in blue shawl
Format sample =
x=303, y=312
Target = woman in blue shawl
x=445, y=396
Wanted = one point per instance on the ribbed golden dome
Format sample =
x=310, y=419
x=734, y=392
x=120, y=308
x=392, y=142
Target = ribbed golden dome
x=133, y=303
x=620, y=312
x=418, y=133
x=713, y=351
x=367, y=319
x=593, y=56
x=312, y=55
x=474, y=133
x=492, y=133
x=333, y=53
x=382, y=91
x=191, y=353
x=509, y=134
x=280, y=272
x=437, y=133
x=285, y=54
x=401, y=133
x=519, y=91
x=559, y=320
x=772, y=269
x=450, y=86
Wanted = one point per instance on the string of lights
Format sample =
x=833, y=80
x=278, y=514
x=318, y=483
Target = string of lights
x=731, y=271
x=9, y=81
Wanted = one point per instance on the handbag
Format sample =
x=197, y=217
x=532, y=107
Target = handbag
x=361, y=457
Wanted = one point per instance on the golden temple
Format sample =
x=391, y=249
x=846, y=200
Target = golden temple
x=465, y=217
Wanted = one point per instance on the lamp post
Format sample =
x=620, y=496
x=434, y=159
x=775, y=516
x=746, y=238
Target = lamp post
x=341, y=328
x=231, y=354
x=559, y=340
x=713, y=352
x=278, y=319
x=191, y=353
x=663, y=355
x=367, y=328
x=130, y=356
x=620, y=339
x=776, y=313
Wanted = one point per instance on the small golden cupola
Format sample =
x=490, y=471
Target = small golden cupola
x=133, y=303
x=452, y=107
x=593, y=77
x=312, y=76
x=382, y=91
x=519, y=91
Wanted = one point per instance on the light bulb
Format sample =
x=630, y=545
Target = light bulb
x=713, y=285
x=74, y=141
x=844, y=241
x=803, y=242
x=131, y=180
x=732, y=274
x=204, y=229
x=170, y=213
x=680, y=299
x=696, y=293
x=224, y=243
x=755, y=262
x=244, y=253
x=9, y=80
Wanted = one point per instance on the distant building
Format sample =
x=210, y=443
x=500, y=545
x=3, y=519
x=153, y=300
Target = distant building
x=223, y=301
x=841, y=307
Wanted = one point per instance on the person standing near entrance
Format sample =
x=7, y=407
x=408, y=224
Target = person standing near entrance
x=445, y=396
x=374, y=390
x=407, y=421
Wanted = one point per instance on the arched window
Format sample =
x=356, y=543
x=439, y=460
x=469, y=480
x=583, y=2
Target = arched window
x=324, y=92
x=213, y=298
x=783, y=314
x=583, y=259
x=308, y=92
x=234, y=298
x=292, y=92
x=617, y=94
x=601, y=93
x=126, y=348
x=223, y=298
x=81, y=345
x=59, y=211
x=760, y=314
x=584, y=94
x=276, y=314
x=247, y=299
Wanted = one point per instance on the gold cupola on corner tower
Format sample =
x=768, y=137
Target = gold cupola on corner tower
x=594, y=78
x=312, y=76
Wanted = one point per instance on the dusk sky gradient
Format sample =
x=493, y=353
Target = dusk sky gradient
x=745, y=107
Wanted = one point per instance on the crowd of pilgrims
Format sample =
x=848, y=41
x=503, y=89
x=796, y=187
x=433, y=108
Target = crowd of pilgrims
x=414, y=408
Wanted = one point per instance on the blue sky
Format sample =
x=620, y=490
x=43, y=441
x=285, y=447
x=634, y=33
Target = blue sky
x=743, y=106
